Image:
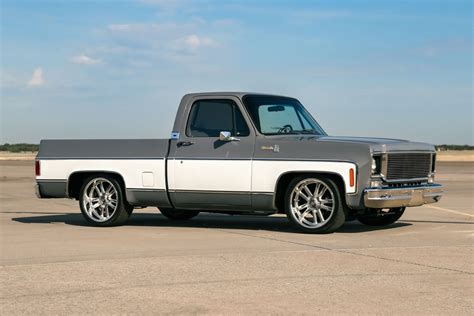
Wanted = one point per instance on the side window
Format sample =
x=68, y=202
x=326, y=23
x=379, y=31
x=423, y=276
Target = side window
x=210, y=117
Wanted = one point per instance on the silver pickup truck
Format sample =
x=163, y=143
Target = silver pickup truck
x=242, y=153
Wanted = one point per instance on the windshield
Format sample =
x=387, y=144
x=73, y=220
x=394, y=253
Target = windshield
x=275, y=115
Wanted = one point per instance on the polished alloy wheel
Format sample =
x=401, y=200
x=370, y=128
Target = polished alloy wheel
x=312, y=203
x=100, y=200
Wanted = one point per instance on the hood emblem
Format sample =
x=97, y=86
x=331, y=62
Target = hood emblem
x=274, y=148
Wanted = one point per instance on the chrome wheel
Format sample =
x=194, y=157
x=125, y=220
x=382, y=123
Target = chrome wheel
x=100, y=200
x=312, y=203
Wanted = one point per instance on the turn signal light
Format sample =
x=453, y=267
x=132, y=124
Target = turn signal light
x=351, y=178
x=37, y=168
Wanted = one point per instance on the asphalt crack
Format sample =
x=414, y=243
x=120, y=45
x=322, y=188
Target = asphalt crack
x=349, y=252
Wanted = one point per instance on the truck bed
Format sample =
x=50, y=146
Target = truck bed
x=140, y=163
x=103, y=149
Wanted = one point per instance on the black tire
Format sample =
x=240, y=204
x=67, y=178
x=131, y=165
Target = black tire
x=120, y=214
x=334, y=221
x=377, y=217
x=178, y=215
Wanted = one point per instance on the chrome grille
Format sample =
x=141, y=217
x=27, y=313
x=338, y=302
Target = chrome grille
x=408, y=166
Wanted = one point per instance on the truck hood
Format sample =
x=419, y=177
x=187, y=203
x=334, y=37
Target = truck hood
x=376, y=145
x=381, y=144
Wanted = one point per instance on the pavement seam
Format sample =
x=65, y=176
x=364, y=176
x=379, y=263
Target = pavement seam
x=225, y=281
x=448, y=210
x=351, y=253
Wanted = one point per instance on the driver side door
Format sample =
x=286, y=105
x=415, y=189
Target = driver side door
x=206, y=172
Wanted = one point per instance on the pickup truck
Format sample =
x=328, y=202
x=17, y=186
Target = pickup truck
x=242, y=153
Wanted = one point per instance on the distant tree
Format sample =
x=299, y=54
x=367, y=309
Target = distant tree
x=454, y=147
x=16, y=148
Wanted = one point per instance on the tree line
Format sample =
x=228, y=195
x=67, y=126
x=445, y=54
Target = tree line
x=18, y=148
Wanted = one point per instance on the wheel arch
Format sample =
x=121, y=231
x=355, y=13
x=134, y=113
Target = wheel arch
x=285, y=178
x=76, y=181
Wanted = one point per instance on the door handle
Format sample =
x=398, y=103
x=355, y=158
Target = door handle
x=180, y=144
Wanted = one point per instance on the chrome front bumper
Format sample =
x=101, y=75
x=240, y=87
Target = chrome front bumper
x=403, y=196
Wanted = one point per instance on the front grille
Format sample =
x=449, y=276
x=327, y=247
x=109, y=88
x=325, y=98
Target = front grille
x=408, y=166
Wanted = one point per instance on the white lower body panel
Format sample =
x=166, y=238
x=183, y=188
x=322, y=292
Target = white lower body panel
x=266, y=173
x=210, y=175
x=137, y=174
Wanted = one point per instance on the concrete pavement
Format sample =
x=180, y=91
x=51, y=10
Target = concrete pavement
x=52, y=262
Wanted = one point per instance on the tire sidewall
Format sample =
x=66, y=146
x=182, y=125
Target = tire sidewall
x=122, y=210
x=338, y=216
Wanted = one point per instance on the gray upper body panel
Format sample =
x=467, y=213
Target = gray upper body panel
x=103, y=149
x=376, y=145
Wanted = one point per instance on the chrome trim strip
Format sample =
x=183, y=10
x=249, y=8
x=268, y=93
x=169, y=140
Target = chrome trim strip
x=221, y=192
x=261, y=159
x=403, y=152
x=51, y=180
x=145, y=190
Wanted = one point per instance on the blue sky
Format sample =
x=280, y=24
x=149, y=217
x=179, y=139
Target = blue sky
x=117, y=69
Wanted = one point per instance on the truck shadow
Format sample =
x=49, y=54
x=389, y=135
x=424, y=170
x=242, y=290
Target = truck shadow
x=204, y=220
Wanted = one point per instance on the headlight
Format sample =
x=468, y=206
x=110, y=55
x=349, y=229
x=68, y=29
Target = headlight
x=376, y=183
x=376, y=162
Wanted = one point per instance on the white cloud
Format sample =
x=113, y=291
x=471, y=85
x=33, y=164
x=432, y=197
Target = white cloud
x=119, y=27
x=37, y=78
x=85, y=60
x=179, y=42
x=194, y=42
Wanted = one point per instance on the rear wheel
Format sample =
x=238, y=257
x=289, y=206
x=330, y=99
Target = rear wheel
x=380, y=217
x=314, y=204
x=102, y=202
x=177, y=215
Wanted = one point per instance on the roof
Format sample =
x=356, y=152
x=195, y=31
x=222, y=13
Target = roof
x=233, y=93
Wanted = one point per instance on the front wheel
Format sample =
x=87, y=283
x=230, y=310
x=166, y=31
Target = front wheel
x=103, y=203
x=178, y=215
x=314, y=204
x=380, y=217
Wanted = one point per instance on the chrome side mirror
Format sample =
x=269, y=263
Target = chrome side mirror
x=225, y=136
